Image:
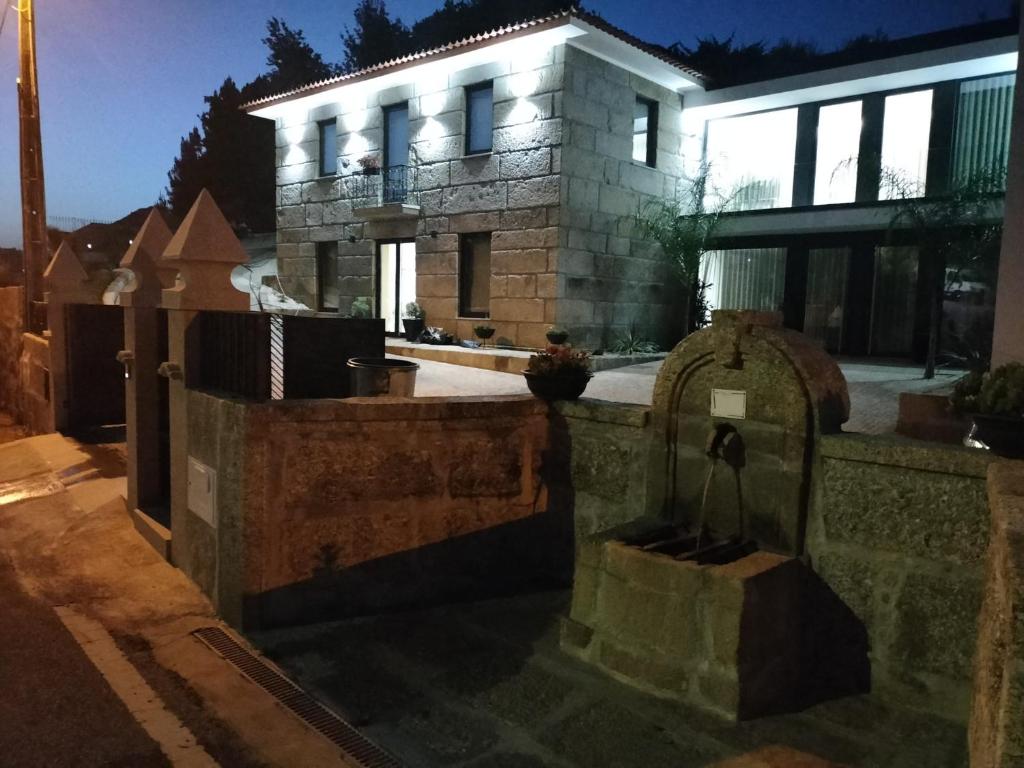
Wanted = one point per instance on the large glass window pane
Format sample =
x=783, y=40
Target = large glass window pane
x=745, y=278
x=475, y=275
x=328, y=148
x=407, y=276
x=893, y=302
x=479, y=118
x=396, y=283
x=908, y=122
x=396, y=127
x=327, y=275
x=835, y=176
x=750, y=160
x=825, y=305
x=984, y=113
x=387, y=286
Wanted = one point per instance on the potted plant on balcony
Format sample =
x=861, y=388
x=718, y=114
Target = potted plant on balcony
x=370, y=165
x=483, y=331
x=995, y=403
x=556, y=335
x=558, y=373
x=414, y=321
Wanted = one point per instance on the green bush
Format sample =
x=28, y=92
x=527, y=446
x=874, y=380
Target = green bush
x=999, y=392
x=361, y=307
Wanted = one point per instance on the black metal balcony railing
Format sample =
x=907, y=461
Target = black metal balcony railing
x=390, y=185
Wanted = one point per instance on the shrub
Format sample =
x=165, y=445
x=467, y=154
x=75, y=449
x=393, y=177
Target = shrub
x=361, y=307
x=559, y=361
x=414, y=311
x=633, y=343
x=999, y=392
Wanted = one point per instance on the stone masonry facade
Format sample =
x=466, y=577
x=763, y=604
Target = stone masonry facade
x=559, y=193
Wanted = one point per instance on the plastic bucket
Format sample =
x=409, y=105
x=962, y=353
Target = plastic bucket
x=382, y=376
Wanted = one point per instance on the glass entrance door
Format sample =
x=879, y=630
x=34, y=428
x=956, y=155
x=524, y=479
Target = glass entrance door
x=396, y=283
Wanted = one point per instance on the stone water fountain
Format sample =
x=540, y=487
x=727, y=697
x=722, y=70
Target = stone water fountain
x=707, y=598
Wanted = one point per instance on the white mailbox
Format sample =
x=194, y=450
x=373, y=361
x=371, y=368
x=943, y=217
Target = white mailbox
x=202, y=491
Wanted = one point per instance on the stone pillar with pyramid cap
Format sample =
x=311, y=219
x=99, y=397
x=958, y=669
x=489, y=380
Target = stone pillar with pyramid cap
x=204, y=251
x=66, y=282
x=145, y=339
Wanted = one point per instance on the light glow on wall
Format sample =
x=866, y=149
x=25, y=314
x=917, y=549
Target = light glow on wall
x=835, y=177
x=432, y=104
x=750, y=160
x=908, y=122
x=356, y=145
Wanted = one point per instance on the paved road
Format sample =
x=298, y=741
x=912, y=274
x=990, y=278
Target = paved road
x=55, y=707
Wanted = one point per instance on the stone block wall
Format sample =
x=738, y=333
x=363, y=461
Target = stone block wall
x=512, y=192
x=997, y=711
x=606, y=446
x=11, y=312
x=609, y=278
x=899, y=530
x=338, y=508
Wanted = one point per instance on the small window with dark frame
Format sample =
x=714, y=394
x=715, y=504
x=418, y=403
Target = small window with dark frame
x=328, y=294
x=328, y=147
x=475, y=275
x=479, y=118
x=645, y=131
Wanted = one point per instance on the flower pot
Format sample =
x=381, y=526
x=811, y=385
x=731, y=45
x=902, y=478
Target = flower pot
x=371, y=171
x=563, y=387
x=483, y=333
x=1003, y=435
x=413, y=327
x=557, y=337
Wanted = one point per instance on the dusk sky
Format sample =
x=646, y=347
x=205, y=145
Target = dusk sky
x=122, y=80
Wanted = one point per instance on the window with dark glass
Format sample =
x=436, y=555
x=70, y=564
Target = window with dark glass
x=479, y=118
x=328, y=147
x=396, y=135
x=645, y=131
x=327, y=276
x=475, y=275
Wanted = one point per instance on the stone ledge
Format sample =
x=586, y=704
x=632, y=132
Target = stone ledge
x=905, y=452
x=586, y=409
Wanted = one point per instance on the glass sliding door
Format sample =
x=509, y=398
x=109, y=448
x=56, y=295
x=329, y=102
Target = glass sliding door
x=396, y=281
x=745, y=278
x=893, y=302
x=825, y=306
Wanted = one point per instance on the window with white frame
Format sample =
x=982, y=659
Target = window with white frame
x=905, y=132
x=750, y=160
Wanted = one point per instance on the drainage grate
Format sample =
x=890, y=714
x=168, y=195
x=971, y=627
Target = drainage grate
x=348, y=739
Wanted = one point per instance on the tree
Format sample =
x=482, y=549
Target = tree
x=292, y=62
x=684, y=229
x=232, y=153
x=376, y=37
x=458, y=19
x=956, y=232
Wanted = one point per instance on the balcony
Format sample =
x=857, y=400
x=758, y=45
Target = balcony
x=388, y=194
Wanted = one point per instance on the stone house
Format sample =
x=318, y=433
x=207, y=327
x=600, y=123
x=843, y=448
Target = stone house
x=505, y=172
x=511, y=166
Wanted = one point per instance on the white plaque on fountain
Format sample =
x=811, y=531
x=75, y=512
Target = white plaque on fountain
x=729, y=403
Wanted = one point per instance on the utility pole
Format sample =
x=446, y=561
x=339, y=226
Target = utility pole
x=33, y=194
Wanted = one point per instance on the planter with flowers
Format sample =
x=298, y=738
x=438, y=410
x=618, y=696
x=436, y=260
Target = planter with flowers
x=370, y=165
x=995, y=403
x=558, y=373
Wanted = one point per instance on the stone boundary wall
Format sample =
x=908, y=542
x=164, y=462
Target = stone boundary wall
x=341, y=507
x=11, y=312
x=607, y=446
x=899, y=529
x=997, y=712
